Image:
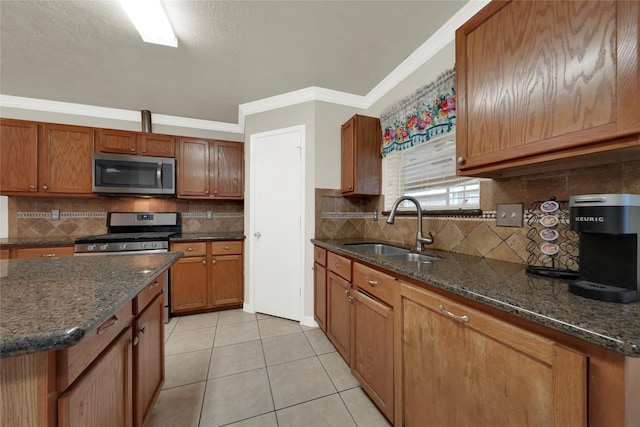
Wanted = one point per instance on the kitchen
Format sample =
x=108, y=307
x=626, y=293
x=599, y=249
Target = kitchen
x=337, y=217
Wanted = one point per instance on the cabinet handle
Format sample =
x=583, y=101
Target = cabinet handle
x=371, y=282
x=107, y=325
x=337, y=264
x=346, y=291
x=350, y=187
x=44, y=187
x=144, y=151
x=213, y=261
x=133, y=150
x=204, y=262
x=154, y=284
x=47, y=255
x=135, y=341
x=226, y=248
x=464, y=318
x=190, y=249
x=206, y=191
x=33, y=187
x=461, y=160
x=215, y=191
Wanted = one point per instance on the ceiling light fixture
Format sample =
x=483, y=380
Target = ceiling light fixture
x=151, y=22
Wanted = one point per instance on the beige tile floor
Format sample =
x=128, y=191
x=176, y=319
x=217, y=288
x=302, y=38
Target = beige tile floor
x=233, y=368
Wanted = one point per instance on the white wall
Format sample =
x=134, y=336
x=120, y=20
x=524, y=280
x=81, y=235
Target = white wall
x=4, y=216
x=302, y=114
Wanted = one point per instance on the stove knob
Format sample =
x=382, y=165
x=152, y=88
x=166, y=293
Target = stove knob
x=91, y=247
x=104, y=247
x=123, y=246
x=144, y=245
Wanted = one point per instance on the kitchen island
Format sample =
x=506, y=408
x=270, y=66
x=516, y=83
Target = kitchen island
x=73, y=327
x=526, y=351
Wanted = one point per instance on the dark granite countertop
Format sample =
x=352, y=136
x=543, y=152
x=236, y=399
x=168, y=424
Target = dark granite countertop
x=186, y=237
x=49, y=304
x=7, y=242
x=507, y=287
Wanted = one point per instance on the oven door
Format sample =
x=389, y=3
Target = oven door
x=150, y=251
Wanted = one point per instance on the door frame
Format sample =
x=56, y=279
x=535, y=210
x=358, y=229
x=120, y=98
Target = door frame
x=250, y=225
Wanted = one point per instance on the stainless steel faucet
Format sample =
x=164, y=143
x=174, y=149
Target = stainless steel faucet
x=420, y=239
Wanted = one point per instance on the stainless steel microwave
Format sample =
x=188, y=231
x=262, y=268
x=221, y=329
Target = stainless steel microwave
x=139, y=175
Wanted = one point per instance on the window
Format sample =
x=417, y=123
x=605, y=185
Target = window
x=428, y=173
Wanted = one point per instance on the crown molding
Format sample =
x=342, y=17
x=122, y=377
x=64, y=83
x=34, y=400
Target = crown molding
x=45, y=105
x=440, y=39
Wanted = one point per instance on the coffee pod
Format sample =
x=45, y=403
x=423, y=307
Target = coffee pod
x=549, y=221
x=549, y=234
x=549, y=206
x=549, y=248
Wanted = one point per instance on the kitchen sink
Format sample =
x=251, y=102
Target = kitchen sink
x=411, y=256
x=393, y=252
x=379, y=248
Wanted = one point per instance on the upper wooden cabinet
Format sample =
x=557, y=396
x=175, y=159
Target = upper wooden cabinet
x=210, y=169
x=361, y=171
x=18, y=156
x=65, y=160
x=142, y=144
x=547, y=81
x=45, y=159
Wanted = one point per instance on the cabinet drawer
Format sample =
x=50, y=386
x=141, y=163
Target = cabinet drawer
x=72, y=361
x=147, y=294
x=339, y=265
x=190, y=248
x=224, y=248
x=375, y=283
x=320, y=255
x=50, y=252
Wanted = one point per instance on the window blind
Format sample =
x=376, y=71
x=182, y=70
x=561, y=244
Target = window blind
x=428, y=173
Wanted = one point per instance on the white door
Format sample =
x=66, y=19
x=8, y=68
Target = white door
x=277, y=222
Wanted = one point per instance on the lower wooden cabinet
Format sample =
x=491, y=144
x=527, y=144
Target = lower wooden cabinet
x=372, y=347
x=320, y=295
x=209, y=276
x=463, y=367
x=339, y=303
x=320, y=287
x=148, y=360
x=102, y=396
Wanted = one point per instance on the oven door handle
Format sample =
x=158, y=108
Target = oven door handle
x=159, y=174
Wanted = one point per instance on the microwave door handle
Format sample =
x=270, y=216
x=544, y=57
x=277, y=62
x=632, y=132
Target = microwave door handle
x=159, y=175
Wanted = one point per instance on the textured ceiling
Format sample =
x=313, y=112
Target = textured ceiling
x=229, y=52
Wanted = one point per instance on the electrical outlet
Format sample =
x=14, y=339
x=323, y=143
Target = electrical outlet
x=209, y=214
x=55, y=214
x=509, y=214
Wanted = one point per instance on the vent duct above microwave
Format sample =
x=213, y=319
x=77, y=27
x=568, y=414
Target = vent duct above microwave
x=146, y=120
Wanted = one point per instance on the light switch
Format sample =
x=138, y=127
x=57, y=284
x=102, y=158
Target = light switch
x=509, y=214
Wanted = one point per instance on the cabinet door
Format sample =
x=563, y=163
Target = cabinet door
x=339, y=314
x=463, y=367
x=102, y=396
x=320, y=295
x=148, y=359
x=193, y=168
x=228, y=169
x=116, y=141
x=373, y=350
x=347, y=165
x=18, y=156
x=150, y=144
x=66, y=159
x=226, y=285
x=537, y=79
x=189, y=284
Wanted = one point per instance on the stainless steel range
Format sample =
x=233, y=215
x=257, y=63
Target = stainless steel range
x=134, y=233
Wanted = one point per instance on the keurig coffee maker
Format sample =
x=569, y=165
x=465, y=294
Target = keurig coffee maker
x=608, y=225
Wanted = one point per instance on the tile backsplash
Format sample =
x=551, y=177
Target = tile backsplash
x=339, y=217
x=31, y=217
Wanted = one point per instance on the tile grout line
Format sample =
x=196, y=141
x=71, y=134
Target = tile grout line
x=266, y=368
x=206, y=378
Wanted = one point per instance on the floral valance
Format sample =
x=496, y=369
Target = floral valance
x=418, y=118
